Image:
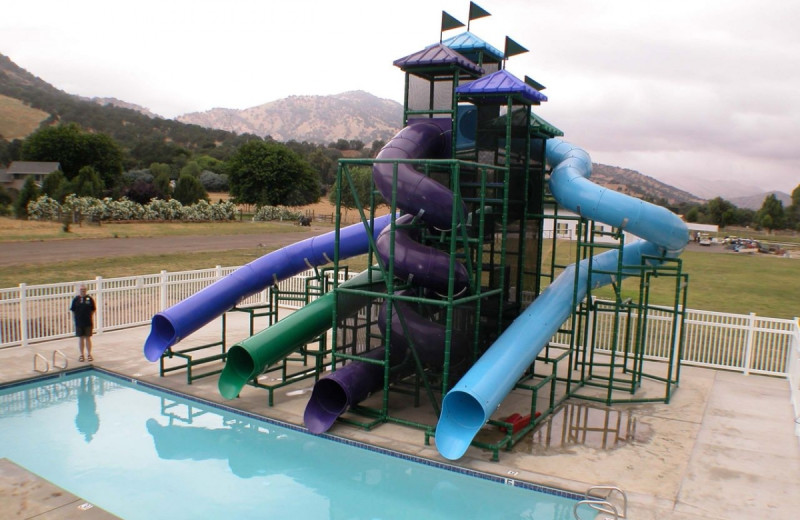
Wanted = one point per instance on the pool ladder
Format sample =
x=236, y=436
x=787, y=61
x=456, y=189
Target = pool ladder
x=599, y=498
x=41, y=365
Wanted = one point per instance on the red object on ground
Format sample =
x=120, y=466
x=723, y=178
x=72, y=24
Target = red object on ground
x=517, y=421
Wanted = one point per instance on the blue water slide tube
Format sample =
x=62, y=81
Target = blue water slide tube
x=182, y=319
x=471, y=402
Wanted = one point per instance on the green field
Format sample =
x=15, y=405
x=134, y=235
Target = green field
x=727, y=282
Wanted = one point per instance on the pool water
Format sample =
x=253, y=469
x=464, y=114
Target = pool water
x=142, y=453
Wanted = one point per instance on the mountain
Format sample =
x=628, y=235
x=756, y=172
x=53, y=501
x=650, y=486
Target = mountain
x=708, y=188
x=755, y=202
x=146, y=139
x=355, y=115
x=631, y=182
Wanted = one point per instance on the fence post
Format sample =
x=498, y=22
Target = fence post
x=793, y=374
x=748, y=348
x=219, y=272
x=164, y=290
x=23, y=315
x=100, y=325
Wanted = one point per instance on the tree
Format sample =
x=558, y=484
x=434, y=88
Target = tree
x=191, y=168
x=189, y=190
x=214, y=182
x=206, y=162
x=29, y=192
x=162, y=184
x=56, y=186
x=105, y=156
x=157, y=169
x=142, y=191
x=5, y=200
x=720, y=211
x=87, y=183
x=156, y=150
x=325, y=165
x=73, y=149
x=10, y=151
x=771, y=214
x=793, y=211
x=377, y=144
x=269, y=174
x=361, y=177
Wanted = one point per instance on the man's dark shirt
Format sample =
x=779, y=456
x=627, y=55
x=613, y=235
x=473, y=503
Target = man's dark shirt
x=83, y=307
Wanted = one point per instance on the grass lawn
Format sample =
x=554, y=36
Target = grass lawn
x=727, y=282
x=767, y=285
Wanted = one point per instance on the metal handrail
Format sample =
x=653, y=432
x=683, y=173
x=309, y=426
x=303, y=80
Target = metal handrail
x=597, y=498
x=36, y=368
x=57, y=354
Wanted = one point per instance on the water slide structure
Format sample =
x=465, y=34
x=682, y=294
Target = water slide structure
x=459, y=303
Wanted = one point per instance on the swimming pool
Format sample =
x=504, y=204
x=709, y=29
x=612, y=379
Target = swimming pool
x=143, y=453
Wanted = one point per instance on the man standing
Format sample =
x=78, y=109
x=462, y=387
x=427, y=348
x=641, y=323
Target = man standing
x=83, y=309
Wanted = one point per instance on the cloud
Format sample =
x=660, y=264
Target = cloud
x=662, y=87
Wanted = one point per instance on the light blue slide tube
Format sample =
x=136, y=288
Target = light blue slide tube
x=469, y=404
x=171, y=325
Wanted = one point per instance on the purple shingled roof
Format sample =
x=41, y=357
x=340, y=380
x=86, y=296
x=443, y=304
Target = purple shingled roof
x=437, y=54
x=503, y=83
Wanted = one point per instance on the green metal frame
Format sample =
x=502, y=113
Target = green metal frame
x=294, y=368
x=188, y=355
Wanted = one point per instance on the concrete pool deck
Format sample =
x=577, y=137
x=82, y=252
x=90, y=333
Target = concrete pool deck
x=724, y=448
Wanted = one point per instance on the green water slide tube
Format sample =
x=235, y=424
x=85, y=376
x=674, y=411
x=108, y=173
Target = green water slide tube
x=252, y=356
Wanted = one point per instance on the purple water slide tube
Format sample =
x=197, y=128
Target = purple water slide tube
x=421, y=265
x=182, y=319
x=470, y=403
x=354, y=382
x=419, y=196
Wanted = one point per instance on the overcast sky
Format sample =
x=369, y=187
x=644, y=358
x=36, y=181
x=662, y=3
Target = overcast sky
x=691, y=92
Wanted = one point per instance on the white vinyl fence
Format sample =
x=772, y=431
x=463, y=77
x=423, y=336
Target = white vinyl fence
x=746, y=343
x=34, y=313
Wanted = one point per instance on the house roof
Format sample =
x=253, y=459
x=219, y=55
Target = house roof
x=32, y=167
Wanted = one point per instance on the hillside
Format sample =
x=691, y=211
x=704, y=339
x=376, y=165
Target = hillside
x=318, y=119
x=18, y=119
x=130, y=127
x=755, y=202
x=27, y=101
x=631, y=182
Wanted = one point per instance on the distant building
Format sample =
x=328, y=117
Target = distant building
x=18, y=172
x=702, y=228
x=566, y=228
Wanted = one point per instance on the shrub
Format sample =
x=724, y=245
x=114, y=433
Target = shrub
x=265, y=213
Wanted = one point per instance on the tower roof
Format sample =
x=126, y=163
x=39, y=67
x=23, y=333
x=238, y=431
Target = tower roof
x=498, y=85
x=468, y=44
x=437, y=55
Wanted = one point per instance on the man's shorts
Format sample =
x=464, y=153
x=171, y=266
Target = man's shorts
x=83, y=331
